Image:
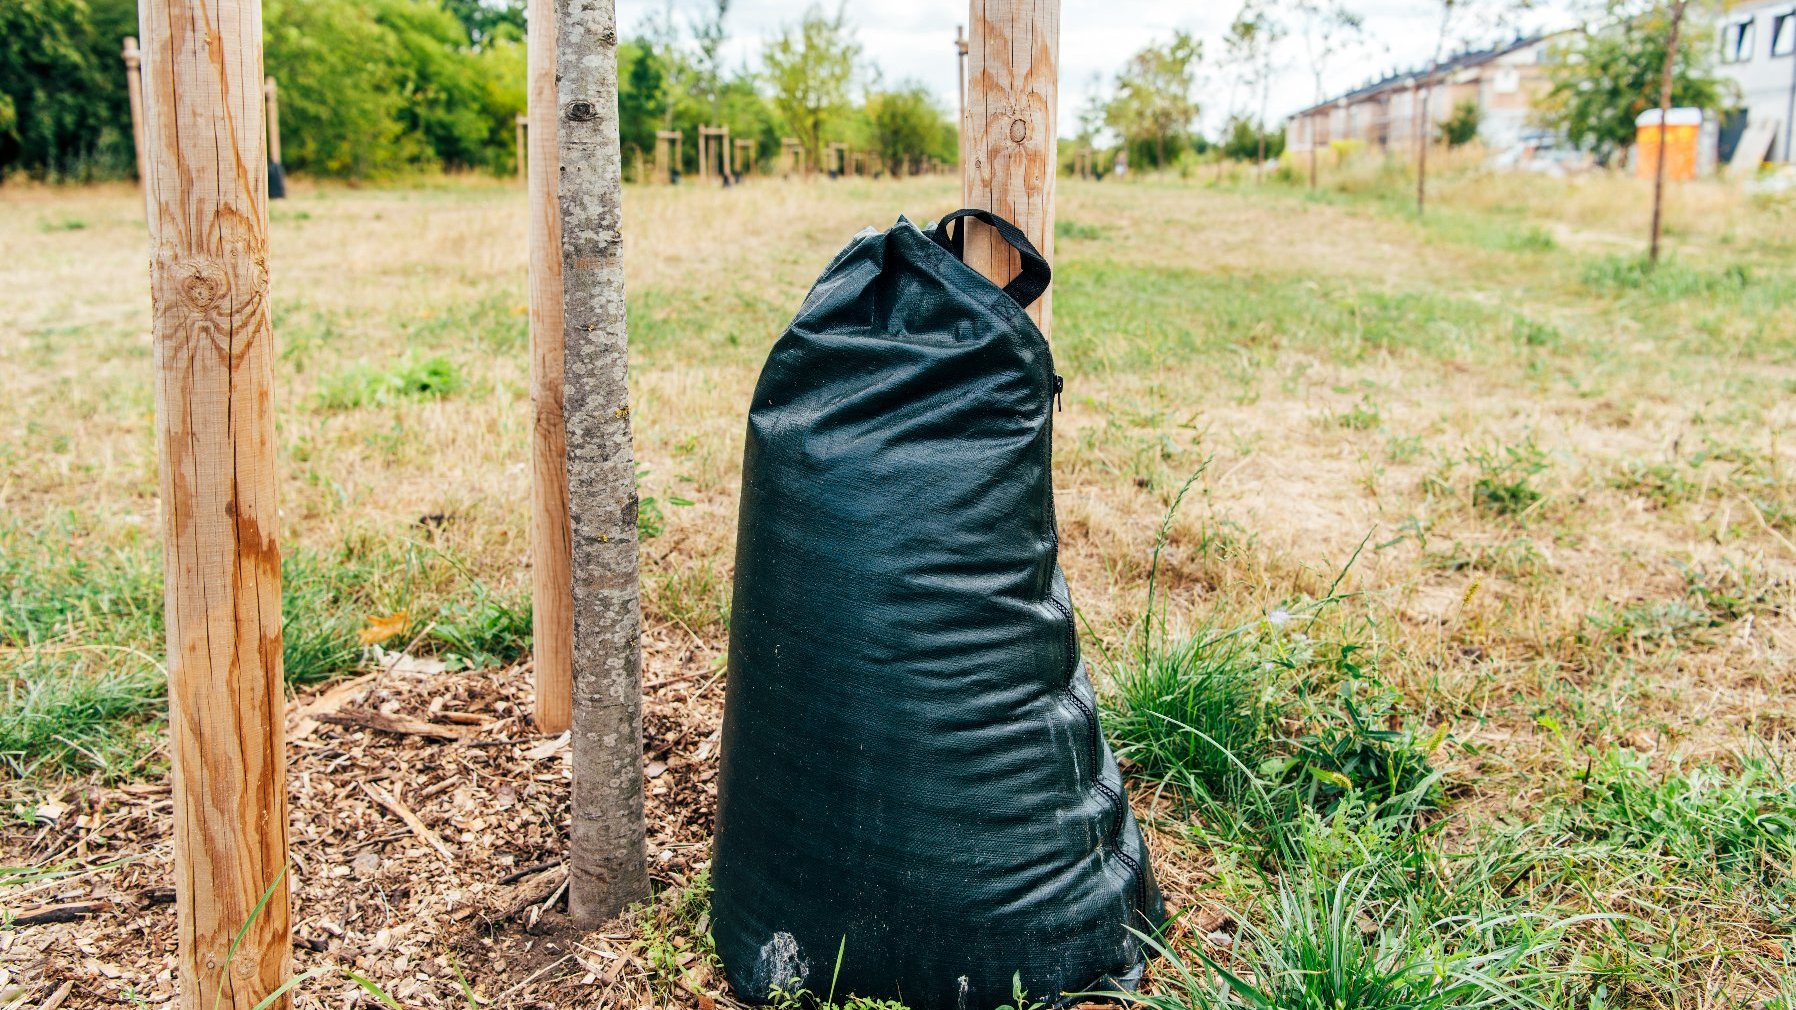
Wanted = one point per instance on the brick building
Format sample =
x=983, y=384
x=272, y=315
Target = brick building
x=1504, y=81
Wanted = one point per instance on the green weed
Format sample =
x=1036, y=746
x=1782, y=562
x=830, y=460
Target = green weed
x=1699, y=820
x=1504, y=482
x=363, y=386
x=1362, y=416
x=486, y=631
x=1664, y=484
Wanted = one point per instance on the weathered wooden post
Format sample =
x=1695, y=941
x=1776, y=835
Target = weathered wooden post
x=523, y=138
x=714, y=150
x=277, y=172
x=607, y=864
x=551, y=598
x=671, y=141
x=960, y=49
x=794, y=154
x=134, y=90
x=1008, y=161
x=744, y=157
x=205, y=183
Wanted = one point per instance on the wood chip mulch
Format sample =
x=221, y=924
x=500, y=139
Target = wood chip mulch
x=428, y=829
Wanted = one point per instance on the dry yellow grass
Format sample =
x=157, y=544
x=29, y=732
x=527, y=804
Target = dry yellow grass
x=1346, y=375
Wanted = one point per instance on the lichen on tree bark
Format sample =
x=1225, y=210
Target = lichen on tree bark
x=609, y=868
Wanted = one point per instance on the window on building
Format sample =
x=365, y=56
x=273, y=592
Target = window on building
x=1736, y=41
x=1783, y=34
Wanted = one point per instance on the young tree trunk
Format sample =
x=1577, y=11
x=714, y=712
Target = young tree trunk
x=205, y=184
x=1312, y=129
x=607, y=863
x=1665, y=80
x=1422, y=131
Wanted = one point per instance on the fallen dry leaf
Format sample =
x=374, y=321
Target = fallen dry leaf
x=379, y=629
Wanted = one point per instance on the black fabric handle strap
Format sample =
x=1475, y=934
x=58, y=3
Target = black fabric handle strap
x=1030, y=282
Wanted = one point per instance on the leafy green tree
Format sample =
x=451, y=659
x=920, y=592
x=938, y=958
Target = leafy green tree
x=1329, y=27
x=63, y=111
x=811, y=68
x=443, y=83
x=1251, y=43
x=641, y=97
x=341, y=89
x=1152, y=109
x=1243, y=140
x=708, y=78
x=1461, y=127
x=486, y=19
x=907, y=126
x=1603, y=77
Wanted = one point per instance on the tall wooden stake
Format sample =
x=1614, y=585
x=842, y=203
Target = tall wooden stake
x=523, y=127
x=552, y=599
x=272, y=94
x=134, y=90
x=608, y=867
x=205, y=183
x=1009, y=129
x=960, y=51
x=277, y=174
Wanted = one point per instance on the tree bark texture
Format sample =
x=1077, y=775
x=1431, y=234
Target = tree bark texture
x=608, y=864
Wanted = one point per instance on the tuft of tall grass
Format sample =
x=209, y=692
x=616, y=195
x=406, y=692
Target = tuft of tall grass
x=1193, y=713
x=1315, y=943
x=1198, y=713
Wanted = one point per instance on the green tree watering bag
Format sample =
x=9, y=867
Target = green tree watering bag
x=913, y=778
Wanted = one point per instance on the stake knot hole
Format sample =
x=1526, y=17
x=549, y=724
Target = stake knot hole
x=1019, y=130
x=582, y=111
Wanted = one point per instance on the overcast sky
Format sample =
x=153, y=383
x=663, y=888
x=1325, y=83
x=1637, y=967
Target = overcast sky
x=914, y=40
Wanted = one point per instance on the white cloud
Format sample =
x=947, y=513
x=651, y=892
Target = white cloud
x=914, y=40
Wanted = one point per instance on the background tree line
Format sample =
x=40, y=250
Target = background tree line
x=373, y=88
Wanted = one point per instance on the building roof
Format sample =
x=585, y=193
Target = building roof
x=1448, y=64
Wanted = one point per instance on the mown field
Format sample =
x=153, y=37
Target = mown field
x=1469, y=663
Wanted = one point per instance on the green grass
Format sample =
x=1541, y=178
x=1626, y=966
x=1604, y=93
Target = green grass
x=1327, y=944
x=81, y=633
x=1695, y=820
x=360, y=385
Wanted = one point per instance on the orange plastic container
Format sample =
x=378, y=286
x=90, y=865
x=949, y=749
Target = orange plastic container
x=1682, y=127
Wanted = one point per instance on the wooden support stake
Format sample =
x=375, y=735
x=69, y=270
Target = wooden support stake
x=608, y=865
x=523, y=133
x=552, y=599
x=1008, y=163
x=271, y=95
x=277, y=174
x=134, y=90
x=205, y=182
x=668, y=141
x=960, y=48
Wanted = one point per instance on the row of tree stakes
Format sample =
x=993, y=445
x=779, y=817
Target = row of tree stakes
x=208, y=134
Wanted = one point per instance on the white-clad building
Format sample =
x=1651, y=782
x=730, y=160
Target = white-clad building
x=1758, y=53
